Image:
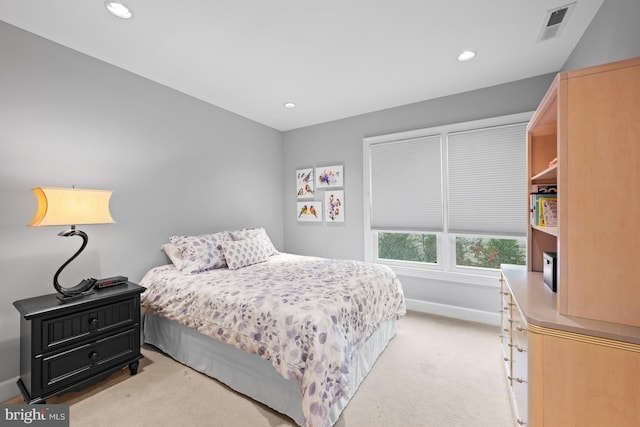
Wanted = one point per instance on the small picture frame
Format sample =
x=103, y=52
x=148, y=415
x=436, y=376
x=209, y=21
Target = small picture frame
x=330, y=176
x=309, y=211
x=304, y=183
x=334, y=205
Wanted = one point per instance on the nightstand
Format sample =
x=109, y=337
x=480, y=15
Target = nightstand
x=70, y=345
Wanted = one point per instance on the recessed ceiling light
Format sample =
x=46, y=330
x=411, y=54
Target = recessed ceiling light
x=289, y=105
x=118, y=9
x=466, y=55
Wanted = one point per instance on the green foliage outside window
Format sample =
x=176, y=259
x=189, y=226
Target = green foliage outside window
x=489, y=252
x=470, y=251
x=408, y=247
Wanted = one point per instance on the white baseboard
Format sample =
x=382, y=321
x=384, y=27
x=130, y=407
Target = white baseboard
x=9, y=389
x=456, y=312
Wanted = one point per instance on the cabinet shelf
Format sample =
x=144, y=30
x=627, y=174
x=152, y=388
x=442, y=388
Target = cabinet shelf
x=549, y=230
x=550, y=174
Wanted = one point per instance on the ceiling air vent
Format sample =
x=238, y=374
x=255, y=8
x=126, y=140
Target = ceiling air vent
x=554, y=22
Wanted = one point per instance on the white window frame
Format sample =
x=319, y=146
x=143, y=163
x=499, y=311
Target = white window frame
x=445, y=269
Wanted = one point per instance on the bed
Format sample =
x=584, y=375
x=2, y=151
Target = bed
x=296, y=333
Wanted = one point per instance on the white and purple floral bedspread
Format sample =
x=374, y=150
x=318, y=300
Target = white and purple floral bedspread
x=306, y=315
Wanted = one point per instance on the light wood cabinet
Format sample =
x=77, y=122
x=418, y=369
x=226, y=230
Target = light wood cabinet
x=585, y=381
x=590, y=120
x=581, y=345
x=562, y=370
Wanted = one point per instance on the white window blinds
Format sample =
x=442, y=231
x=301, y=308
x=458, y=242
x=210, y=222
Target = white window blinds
x=406, y=185
x=487, y=177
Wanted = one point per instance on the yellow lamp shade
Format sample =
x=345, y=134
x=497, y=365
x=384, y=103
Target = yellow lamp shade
x=71, y=206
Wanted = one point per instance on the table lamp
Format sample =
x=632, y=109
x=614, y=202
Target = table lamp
x=71, y=206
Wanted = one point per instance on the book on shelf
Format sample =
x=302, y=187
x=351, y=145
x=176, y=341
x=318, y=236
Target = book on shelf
x=538, y=206
x=533, y=209
x=549, y=211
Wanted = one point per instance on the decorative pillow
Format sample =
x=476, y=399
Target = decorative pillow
x=241, y=253
x=201, y=253
x=255, y=233
x=174, y=254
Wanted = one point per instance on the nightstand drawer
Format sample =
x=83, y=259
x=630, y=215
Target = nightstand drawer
x=63, y=330
x=70, y=366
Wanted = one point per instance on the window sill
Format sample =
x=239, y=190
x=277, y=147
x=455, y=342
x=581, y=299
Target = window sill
x=488, y=278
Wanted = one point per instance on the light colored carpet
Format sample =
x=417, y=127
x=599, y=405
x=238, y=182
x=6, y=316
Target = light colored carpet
x=436, y=372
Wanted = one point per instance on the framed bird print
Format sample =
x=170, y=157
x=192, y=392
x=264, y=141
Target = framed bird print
x=310, y=211
x=304, y=183
x=334, y=205
x=330, y=176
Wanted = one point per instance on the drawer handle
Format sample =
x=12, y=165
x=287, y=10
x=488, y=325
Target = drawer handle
x=519, y=348
x=520, y=328
x=93, y=321
x=519, y=380
x=94, y=355
x=521, y=422
x=506, y=359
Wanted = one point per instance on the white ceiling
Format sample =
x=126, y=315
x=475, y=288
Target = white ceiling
x=333, y=58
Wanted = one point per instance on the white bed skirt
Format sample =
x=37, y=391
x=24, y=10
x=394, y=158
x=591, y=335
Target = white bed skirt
x=249, y=374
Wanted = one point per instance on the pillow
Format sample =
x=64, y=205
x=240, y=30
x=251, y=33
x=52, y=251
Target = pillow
x=201, y=253
x=257, y=233
x=241, y=253
x=174, y=254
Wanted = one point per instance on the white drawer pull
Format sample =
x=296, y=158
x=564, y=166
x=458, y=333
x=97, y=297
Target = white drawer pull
x=519, y=380
x=520, y=349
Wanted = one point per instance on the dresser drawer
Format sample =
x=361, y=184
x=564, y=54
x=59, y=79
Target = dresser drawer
x=80, y=362
x=520, y=395
x=505, y=337
x=63, y=330
x=518, y=331
x=505, y=327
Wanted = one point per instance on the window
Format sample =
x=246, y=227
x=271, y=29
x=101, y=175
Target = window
x=418, y=247
x=450, y=199
x=489, y=252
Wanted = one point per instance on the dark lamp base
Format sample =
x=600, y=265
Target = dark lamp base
x=73, y=296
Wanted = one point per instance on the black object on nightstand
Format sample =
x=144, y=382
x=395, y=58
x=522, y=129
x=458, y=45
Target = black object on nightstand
x=70, y=345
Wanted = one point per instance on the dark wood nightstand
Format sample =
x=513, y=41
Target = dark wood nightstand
x=70, y=345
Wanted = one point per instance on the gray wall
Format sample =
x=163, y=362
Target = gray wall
x=614, y=34
x=176, y=165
